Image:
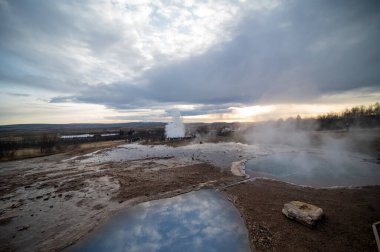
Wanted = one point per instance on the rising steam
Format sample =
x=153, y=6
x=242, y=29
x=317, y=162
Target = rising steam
x=175, y=128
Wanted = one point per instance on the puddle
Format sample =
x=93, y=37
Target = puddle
x=197, y=221
x=316, y=169
x=77, y=136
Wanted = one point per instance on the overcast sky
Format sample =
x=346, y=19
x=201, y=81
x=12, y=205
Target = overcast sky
x=119, y=61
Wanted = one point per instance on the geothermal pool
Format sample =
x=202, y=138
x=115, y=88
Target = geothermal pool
x=312, y=167
x=316, y=169
x=197, y=221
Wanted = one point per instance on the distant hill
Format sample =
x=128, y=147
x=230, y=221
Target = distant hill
x=22, y=127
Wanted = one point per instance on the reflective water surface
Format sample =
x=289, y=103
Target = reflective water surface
x=78, y=136
x=197, y=221
x=316, y=169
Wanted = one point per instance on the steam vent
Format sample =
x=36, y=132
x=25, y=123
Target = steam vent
x=175, y=129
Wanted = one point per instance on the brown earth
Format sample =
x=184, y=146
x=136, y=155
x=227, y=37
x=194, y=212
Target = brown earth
x=74, y=149
x=46, y=204
x=346, y=226
x=145, y=182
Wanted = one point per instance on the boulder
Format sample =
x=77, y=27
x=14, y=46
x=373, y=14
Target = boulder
x=303, y=212
x=238, y=168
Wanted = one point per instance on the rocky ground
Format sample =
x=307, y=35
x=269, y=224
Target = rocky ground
x=346, y=226
x=48, y=203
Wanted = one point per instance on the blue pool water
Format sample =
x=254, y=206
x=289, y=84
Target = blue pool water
x=197, y=221
x=316, y=169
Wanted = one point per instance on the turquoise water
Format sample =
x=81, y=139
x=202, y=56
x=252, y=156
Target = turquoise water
x=321, y=170
x=197, y=221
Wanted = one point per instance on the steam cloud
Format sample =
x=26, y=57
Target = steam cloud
x=175, y=128
x=322, y=158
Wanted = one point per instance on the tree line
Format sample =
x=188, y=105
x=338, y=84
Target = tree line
x=359, y=116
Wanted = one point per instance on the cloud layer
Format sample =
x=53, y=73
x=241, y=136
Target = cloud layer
x=211, y=56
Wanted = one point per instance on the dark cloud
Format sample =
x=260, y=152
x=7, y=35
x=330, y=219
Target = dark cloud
x=63, y=99
x=58, y=46
x=308, y=47
x=17, y=94
x=295, y=52
x=205, y=109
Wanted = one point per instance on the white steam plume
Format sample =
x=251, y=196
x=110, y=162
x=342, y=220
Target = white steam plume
x=175, y=128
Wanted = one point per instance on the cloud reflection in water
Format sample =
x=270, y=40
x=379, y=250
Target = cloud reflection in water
x=196, y=221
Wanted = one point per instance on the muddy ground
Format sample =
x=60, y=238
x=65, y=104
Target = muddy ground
x=48, y=203
x=346, y=226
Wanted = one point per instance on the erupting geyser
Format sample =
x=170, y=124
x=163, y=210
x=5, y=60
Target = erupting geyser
x=175, y=128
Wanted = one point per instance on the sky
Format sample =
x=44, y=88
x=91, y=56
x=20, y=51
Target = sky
x=130, y=60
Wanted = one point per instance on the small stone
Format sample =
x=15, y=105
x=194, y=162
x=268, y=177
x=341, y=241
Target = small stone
x=16, y=205
x=21, y=228
x=68, y=196
x=303, y=212
x=6, y=220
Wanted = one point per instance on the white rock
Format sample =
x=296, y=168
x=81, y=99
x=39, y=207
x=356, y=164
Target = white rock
x=303, y=212
x=238, y=168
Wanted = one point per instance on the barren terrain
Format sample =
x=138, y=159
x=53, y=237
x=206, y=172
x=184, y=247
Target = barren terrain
x=48, y=203
x=346, y=226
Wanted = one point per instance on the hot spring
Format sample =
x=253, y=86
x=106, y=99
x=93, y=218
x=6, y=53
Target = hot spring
x=316, y=169
x=197, y=221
